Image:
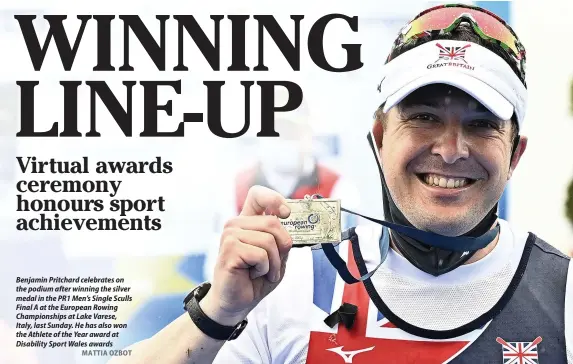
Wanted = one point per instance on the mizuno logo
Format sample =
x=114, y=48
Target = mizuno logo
x=348, y=355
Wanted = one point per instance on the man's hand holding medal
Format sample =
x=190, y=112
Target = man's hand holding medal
x=254, y=248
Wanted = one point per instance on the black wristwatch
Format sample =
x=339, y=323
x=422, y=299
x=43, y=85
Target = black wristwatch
x=203, y=322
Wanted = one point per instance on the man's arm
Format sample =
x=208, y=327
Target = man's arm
x=177, y=343
x=251, y=263
x=251, y=346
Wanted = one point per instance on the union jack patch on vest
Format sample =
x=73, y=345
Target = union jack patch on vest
x=520, y=352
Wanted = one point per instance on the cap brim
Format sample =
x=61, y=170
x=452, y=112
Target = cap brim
x=479, y=90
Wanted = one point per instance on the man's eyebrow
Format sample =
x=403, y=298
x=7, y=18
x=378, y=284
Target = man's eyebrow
x=417, y=102
x=436, y=103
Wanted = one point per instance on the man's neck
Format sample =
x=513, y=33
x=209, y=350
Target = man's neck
x=480, y=254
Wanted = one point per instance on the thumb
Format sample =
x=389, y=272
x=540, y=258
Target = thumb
x=262, y=199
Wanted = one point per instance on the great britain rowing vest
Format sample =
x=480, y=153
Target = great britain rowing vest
x=515, y=306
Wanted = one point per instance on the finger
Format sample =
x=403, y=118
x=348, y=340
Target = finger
x=250, y=257
x=284, y=260
x=268, y=224
x=260, y=199
x=264, y=241
x=235, y=254
x=257, y=259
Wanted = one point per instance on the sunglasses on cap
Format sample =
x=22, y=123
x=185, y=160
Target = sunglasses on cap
x=443, y=19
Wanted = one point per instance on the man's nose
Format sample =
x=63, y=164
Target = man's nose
x=451, y=143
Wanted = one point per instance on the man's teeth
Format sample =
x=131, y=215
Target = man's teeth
x=438, y=181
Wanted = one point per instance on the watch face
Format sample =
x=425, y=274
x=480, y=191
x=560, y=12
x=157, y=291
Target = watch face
x=202, y=290
x=240, y=327
x=188, y=298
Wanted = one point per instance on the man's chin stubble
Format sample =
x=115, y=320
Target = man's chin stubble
x=446, y=228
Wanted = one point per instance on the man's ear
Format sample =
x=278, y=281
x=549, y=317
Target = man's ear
x=377, y=132
x=519, y=150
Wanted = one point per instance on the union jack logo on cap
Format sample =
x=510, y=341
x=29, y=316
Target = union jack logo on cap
x=520, y=352
x=452, y=53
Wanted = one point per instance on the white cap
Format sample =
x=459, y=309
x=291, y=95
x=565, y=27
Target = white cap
x=468, y=66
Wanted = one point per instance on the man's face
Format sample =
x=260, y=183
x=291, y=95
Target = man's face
x=446, y=159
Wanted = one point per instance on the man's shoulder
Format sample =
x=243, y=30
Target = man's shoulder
x=537, y=244
x=548, y=249
x=543, y=266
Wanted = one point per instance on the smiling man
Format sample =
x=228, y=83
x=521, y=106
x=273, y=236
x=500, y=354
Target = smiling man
x=443, y=279
x=447, y=159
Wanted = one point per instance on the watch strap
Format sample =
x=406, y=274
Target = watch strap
x=208, y=326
